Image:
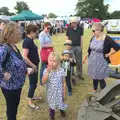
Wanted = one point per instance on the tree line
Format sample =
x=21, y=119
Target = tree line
x=95, y=9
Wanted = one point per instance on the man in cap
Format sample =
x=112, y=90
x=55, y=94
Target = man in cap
x=75, y=34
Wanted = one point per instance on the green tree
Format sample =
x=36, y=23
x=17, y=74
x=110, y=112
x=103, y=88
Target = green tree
x=20, y=6
x=11, y=13
x=92, y=9
x=115, y=15
x=4, y=11
x=52, y=15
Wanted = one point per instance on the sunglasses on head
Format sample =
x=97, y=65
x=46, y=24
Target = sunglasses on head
x=95, y=30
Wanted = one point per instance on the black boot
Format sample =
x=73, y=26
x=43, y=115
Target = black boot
x=52, y=118
x=63, y=115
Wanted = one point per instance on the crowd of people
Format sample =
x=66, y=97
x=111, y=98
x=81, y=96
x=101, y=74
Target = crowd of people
x=56, y=71
x=58, y=26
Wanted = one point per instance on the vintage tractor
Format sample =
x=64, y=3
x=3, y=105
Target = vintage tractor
x=102, y=106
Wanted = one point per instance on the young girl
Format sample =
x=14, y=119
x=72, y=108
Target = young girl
x=54, y=78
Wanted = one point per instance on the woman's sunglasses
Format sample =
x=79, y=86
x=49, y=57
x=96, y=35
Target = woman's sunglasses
x=49, y=28
x=95, y=30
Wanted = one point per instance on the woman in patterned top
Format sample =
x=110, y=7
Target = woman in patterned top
x=54, y=77
x=12, y=68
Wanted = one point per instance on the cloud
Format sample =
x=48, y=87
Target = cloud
x=114, y=5
x=45, y=6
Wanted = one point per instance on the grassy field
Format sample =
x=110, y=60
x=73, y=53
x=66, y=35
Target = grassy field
x=79, y=91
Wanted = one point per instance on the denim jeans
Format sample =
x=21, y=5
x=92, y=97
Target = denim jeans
x=43, y=66
x=68, y=81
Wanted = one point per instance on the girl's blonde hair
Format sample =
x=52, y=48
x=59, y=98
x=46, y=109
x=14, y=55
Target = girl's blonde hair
x=56, y=56
x=6, y=32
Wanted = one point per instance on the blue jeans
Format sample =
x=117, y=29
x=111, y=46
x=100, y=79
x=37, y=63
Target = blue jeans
x=68, y=81
x=43, y=66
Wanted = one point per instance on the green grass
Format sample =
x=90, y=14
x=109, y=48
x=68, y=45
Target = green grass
x=79, y=91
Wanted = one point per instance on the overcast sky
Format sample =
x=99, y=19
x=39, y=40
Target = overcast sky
x=59, y=7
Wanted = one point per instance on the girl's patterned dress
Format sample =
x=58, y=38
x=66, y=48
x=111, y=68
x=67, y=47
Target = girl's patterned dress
x=97, y=65
x=55, y=89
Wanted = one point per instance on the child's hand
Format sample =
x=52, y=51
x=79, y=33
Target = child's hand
x=49, y=68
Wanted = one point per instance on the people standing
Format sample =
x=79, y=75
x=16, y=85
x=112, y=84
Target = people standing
x=31, y=56
x=12, y=68
x=46, y=47
x=54, y=78
x=75, y=34
x=98, y=55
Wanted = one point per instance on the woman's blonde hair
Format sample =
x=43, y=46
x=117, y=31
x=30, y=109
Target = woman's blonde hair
x=6, y=32
x=57, y=57
x=98, y=26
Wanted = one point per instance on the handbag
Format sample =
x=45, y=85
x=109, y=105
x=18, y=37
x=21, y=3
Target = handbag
x=44, y=53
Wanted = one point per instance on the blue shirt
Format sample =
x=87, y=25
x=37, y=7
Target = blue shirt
x=16, y=66
x=45, y=39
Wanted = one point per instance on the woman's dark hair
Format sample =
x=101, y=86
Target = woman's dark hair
x=46, y=24
x=31, y=28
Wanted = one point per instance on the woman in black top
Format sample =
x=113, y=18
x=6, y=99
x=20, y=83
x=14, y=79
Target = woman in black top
x=98, y=55
x=31, y=56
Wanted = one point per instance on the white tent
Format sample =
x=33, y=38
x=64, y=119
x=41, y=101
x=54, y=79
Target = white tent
x=4, y=17
x=59, y=18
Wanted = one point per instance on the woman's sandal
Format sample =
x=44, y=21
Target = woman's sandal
x=33, y=106
x=37, y=98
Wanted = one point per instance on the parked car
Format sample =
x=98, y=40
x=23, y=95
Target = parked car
x=113, y=26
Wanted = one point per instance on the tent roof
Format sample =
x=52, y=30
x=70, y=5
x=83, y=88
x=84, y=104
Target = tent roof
x=26, y=15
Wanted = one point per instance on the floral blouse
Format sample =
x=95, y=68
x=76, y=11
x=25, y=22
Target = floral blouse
x=15, y=65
